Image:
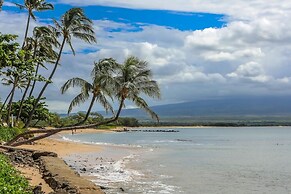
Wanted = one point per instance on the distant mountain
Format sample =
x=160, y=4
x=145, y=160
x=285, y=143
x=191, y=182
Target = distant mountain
x=244, y=106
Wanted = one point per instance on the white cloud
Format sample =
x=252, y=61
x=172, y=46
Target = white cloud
x=251, y=54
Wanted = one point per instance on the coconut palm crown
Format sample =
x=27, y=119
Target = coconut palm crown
x=133, y=81
x=74, y=23
x=30, y=6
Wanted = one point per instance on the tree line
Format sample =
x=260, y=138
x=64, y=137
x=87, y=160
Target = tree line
x=20, y=70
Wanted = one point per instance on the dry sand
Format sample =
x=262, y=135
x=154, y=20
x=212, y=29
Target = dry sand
x=34, y=178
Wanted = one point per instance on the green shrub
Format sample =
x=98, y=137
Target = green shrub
x=11, y=182
x=7, y=133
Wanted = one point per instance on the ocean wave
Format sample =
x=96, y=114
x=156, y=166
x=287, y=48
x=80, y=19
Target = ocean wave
x=116, y=172
x=100, y=143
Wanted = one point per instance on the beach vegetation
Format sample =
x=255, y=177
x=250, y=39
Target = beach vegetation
x=41, y=113
x=7, y=133
x=17, y=67
x=128, y=122
x=11, y=182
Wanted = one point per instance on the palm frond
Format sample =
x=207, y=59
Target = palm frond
x=19, y=6
x=79, y=82
x=104, y=102
x=71, y=46
x=141, y=103
x=45, y=6
x=80, y=98
x=89, y=38
x=32, y=15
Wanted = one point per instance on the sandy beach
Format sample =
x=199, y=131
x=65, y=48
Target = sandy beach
x=62, y=148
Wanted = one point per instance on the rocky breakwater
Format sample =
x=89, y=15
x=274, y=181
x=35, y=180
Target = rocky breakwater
x=56, y=173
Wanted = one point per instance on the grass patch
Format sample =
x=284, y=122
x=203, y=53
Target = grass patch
x=11, y=182
x=7, y=133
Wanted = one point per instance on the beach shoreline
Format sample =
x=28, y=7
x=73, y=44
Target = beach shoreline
x=73, y=153
x=77, y=154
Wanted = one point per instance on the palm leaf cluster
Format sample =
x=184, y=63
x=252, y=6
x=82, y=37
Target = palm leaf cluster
x=30, y=6
x=135, y=80
x=74, y=23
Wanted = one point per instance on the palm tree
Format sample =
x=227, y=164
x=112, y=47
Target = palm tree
x=42, y=43
x=16, y=81
x=135, y=79
x=102, y=76
x=73, y=23
x=31, y=5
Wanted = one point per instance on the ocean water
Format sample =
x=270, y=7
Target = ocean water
x=252, y=160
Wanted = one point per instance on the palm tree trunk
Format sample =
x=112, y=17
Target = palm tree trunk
x=22, y=100
x=47, y=133
x=26, y=89
x=88, y=111
x=34, y=81
x=36, y=70
x=27, y=27
x=3, y=105
x=10, y=101
x=45, y=85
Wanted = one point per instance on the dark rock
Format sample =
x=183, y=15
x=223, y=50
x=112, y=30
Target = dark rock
x=37, y=190
x=104, y=188
x=36, y=155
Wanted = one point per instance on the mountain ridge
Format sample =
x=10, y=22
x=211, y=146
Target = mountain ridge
x=243, y=106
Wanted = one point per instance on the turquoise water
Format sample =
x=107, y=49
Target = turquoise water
x=203, y=160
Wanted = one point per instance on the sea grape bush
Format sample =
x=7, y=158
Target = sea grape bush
x=11, y=182
x=7, y=133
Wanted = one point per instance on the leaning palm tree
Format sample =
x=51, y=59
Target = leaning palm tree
x=30, y=6
x=101, y=87
x=133, y=80
x=73, y=23
x=42, y=45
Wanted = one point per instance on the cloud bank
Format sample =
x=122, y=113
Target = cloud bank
x=250, y=55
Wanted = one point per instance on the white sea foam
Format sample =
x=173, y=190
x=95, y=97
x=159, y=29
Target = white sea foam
x=100, y=143
x=116, y=172
x=165, y=141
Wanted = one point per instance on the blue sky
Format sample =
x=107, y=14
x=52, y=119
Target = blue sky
x=137, y=17
x=197, y=49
